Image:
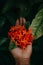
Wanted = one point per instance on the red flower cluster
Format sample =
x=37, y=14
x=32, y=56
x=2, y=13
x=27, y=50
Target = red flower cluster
x=22, y=36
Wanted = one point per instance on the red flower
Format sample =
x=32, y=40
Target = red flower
x=21, y=35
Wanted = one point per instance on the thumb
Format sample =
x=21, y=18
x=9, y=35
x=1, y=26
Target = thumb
x=29, y=48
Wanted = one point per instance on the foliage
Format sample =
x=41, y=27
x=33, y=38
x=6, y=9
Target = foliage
x=37, y=24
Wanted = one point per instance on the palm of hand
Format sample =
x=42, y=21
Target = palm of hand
x=19, y=53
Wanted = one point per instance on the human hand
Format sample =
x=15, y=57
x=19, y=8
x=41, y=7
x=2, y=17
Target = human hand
x=21, y=56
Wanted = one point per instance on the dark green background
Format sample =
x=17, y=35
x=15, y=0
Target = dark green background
x=10, y=10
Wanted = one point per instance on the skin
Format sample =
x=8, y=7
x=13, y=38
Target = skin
x=22, y=57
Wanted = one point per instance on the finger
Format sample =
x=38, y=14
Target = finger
x=17, y=22
x=21, y=20
x=29, y=48
x=24, y=21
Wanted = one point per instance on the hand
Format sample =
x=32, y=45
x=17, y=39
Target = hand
x=22, y=56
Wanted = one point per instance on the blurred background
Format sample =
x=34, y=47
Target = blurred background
x=10, y=11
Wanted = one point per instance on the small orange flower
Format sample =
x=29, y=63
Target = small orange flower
x=21, y=35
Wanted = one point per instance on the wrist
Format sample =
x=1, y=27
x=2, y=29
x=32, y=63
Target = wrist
x=23, y=62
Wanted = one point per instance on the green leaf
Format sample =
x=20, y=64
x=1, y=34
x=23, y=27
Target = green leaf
x=37, y=24
x=12, y=45
x=2, y=22
x=2, y=40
